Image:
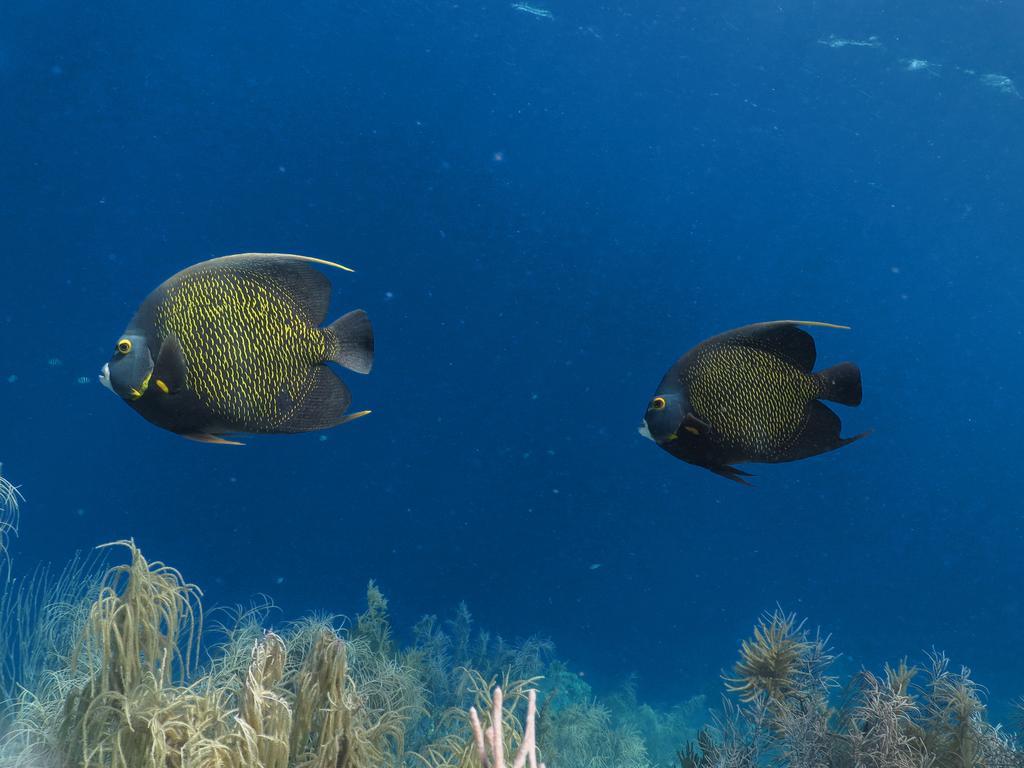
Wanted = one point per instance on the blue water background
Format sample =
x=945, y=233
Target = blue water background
x=544, y=213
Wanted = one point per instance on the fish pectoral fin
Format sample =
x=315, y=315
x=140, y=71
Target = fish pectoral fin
x=170, y=368
x=202, y=437
x=694, y=425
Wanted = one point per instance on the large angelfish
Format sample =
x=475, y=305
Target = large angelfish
x=234, y=345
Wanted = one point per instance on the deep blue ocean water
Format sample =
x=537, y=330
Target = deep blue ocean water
x=543, y=213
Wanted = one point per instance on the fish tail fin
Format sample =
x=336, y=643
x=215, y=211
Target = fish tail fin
x=840, y=384
x=353, y=341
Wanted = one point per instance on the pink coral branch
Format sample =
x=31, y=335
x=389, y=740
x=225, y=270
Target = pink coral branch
x=489, y=744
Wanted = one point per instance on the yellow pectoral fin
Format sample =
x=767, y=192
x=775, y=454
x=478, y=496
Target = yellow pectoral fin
x=162, y=387
x=692, y=430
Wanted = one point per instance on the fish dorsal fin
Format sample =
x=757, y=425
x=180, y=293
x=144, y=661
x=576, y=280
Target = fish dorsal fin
x=294, y=275
x=293, y=257
x=782, y=338
x=170, y=368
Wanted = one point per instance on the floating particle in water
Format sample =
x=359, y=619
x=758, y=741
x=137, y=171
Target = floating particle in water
x=595, y=566
x=388, y=295
x=1001, y=83
x=12, y=378
x=921, y=65
x=83, y=380
x=279, y=580
x=540, y=13
x=55, y=362
x=832, y=41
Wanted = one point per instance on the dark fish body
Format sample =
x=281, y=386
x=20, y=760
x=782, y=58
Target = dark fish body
x=234, y=345
x=750, y=395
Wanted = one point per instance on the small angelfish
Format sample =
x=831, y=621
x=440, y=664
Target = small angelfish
x=750, y=395
x=542, y=13
x=234, y=345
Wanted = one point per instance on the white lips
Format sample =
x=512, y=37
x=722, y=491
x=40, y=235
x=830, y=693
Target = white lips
x=643, y=430
x=105, y=376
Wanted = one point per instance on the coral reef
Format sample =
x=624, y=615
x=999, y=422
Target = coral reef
x=130, y=696
x=112, y=670
x=782, y=712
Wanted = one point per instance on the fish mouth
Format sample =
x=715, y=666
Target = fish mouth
x=643, y=430
x=133, y=393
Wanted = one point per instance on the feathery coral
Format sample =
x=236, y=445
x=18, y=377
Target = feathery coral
x=10, y=512
x=120, y=686
x=770, y=662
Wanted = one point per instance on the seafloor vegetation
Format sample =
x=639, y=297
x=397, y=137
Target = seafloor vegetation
x=113, y=668
x=786, y=709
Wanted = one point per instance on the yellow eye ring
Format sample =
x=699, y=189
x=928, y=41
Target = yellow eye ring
x=657, y=403
x=124, y=346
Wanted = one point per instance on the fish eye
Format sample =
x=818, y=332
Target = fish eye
x=124, y=346
x=657, y=403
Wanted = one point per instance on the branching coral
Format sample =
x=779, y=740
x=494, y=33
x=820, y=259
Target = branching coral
x=454, y=745
x=490, y=744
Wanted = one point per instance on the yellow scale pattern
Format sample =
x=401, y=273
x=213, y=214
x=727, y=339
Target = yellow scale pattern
x=245, y=342
x=755, y=401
